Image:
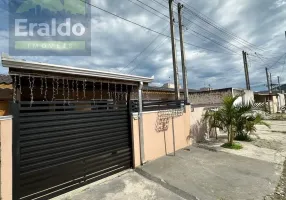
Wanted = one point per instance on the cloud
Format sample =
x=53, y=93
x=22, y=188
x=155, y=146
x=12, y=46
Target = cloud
x=115, y=43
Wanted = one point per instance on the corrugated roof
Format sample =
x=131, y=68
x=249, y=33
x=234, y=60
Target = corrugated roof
x=45, y=67
x=5, y=79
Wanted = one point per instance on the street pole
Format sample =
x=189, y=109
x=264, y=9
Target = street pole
x=175, y=67
x=246, y=70
x=269, y=89
x=184, y=69
x=267, y=78
x=279, y=85
x=271, y=84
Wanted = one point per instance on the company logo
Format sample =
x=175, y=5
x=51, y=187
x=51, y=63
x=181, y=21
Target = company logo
x=49, y=27
x=54, y=6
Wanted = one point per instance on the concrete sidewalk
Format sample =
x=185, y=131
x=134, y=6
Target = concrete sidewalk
x=215, y=175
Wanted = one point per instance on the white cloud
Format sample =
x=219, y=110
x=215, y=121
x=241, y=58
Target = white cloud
x=115, y=42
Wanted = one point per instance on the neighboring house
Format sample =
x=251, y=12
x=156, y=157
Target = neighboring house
x=202, y=101
x=213, y=98
x=198, y=98
x=269, y=101
x=6, y=92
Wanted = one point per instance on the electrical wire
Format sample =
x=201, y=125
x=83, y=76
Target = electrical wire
x=212, y=40
x=135, y=58
x=212, y=23
x=149, y=10
x=147, y=28
x=153, y=9
x=277, y=61
x=134, y=68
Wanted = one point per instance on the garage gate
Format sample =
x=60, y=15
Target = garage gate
x=61, y=146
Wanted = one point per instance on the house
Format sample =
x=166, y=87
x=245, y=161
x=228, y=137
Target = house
x=215, y=97
x=6, y=92
x=73, y=126
x=273, y=102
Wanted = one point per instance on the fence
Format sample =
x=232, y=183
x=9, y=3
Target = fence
x=260, y=106
x=155, y=105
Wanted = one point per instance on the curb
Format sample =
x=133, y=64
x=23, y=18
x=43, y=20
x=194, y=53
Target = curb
x=166, y=185
x=206, y=147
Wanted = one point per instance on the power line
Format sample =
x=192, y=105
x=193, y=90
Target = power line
x=160, y=3
x=145, y=48
x=149, y=10
x=153, y=9
x=215, y=25
x=142, y=52
x=212, y=40
x=148, y=55
x=277, y=61
x=229, y=35
x=144, y=27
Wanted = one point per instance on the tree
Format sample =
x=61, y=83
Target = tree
x=233, y=118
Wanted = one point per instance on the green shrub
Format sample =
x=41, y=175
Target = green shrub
x=243, y=137
x=235, y=146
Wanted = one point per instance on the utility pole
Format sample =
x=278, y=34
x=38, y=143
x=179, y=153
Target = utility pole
x=269, y=89
x=279, y=85
x=175, y=67
x=184, y=69
x=268, y=82
x=271, y=84
x=246, y=70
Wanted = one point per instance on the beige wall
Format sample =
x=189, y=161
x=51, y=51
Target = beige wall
x=199, y=129
x=6, y=157
x=158, y=136
x=274, y=105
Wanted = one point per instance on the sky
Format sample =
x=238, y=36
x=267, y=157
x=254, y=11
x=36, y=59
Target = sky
x=256, y=26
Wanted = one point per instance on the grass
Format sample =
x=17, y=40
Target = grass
x=235, y=146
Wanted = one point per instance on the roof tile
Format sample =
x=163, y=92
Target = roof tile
x=5, y=79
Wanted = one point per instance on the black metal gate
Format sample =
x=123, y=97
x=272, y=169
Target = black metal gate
x=60, y=146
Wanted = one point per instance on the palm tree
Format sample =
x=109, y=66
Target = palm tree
x=234, y=118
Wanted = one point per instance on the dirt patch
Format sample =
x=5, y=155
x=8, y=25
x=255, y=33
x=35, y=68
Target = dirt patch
x=280, y=191
x=275, y=145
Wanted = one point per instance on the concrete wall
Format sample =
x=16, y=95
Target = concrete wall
x=158, y=135
x=199, y=129
x=209, y=97
x=6, y=157
x=275, y=104
x=158, y=96
x=281, y=101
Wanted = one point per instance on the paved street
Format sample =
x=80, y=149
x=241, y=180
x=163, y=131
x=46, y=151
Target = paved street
x=129, y=186
x=216, y=175
x=195, y=173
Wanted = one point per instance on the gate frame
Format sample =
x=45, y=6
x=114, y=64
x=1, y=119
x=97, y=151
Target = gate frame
x=15, y=111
